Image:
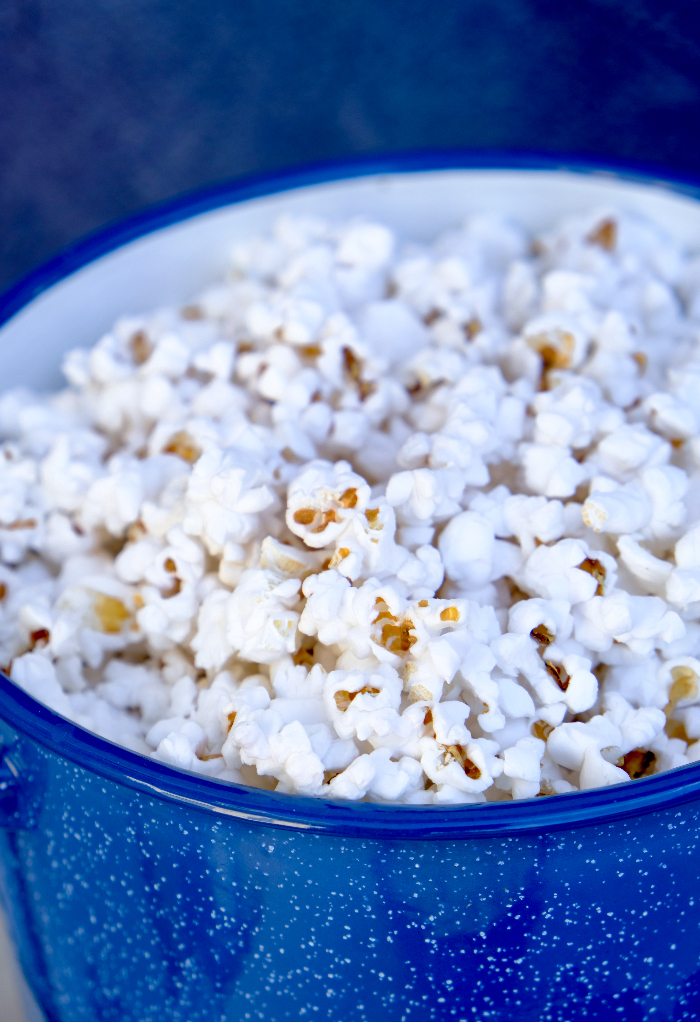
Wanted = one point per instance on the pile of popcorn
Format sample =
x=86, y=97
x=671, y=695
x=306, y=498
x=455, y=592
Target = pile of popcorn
x=377, y=520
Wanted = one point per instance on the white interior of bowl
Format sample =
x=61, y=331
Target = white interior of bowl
x=172, y=264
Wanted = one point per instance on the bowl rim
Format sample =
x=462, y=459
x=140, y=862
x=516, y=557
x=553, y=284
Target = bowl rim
x=48, y=729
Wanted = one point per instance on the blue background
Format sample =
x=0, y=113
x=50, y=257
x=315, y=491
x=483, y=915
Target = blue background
x=109, y=105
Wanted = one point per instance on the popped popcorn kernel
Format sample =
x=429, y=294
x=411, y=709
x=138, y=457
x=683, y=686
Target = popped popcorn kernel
x=449, y=614
x=604, y=234
x=637, y=762
x=141, y=347
x=556, y=348
x=111, y=613
x=542, y=635
x=183, y=446
x=594, y=567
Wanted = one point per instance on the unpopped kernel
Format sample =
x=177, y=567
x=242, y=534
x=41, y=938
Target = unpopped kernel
x=373, y=519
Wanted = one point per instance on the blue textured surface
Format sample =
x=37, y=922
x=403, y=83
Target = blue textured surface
x=109, y=105
x=131, y=908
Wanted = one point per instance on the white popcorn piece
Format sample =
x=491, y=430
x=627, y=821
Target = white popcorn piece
x=522, y=765
x=637, y=621
x=467, y=548
x=361, y=705
x=392, y=329
x=471, y=768
x=260, y=622
x=650, y=570
x=322, y=500
x=629, y=449
x=551, y=470
x=623, y=510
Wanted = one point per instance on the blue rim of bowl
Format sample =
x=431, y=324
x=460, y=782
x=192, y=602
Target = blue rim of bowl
x=87, y=750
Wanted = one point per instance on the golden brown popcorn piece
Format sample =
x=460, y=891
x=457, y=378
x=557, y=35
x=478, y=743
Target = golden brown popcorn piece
x=685, y=686
x=472, y=327
x=542, y=635
x=304, y=516
x=365, y=388
x=343, y=698
x=339, y=556
x=558, y=673
x=169, y=565
x=349, y=498
x=641, y=360
x=676, y=729
x=304, y=655
x=423, y=603
x=290, y=457
x=141, y=347
x=183, y=446
x=604, y=234
x=417, y=693
x=136, y=531
x=39, y=638
x=111, y=613
x=20, y=523
x=396, y=635
x=353, y=365
x=542, y=730
x=398, y=638
x=432, y=317
x=326, y=518
x=456, y=752
x=371, y=514
x=3, y=590
x=173, y=590
x=310, y=351
x=596, y=569
x=637, y=762
x=191, y=312
x=353, y=370
x=556, y=348
x=449, y=614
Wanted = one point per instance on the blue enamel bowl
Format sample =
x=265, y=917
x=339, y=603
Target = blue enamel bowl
x=139, y=893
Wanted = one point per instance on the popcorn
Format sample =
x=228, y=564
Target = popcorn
x=260, y=622
x=322, y=500
x=411, y=525
x=361, y=705
x=467, y=548
x=522, y=765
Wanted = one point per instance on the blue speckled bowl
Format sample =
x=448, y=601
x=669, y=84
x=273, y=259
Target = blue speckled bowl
x=139, y=893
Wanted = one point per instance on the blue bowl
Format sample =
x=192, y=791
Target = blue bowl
x=139, y=893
